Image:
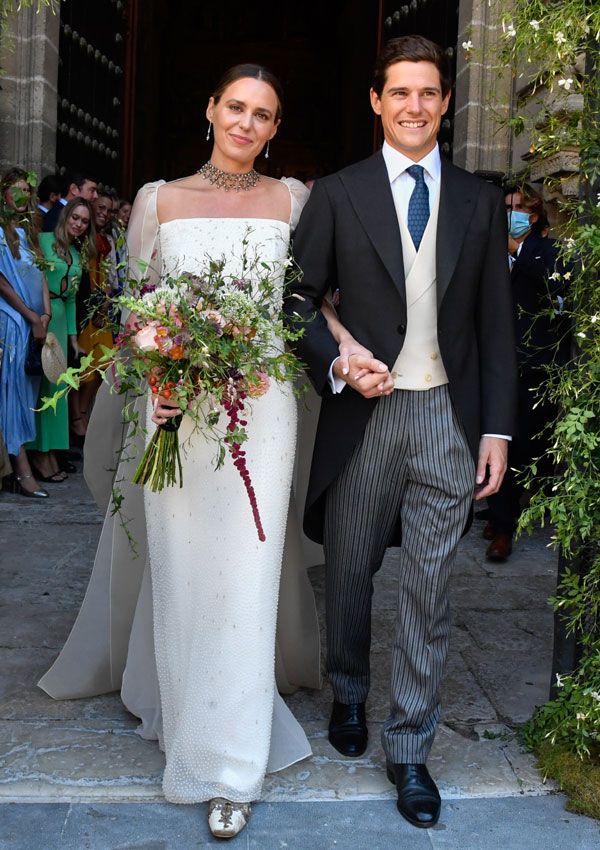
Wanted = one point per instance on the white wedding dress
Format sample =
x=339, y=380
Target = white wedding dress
x=210, y=588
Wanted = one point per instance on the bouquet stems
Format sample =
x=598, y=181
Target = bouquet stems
x=160, y=465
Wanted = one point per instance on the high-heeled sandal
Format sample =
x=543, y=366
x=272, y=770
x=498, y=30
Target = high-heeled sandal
x=13, y=485
x=49, y=479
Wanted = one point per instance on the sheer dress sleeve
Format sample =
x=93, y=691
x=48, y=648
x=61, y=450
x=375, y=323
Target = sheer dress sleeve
x=299, y=195
x=143, y=245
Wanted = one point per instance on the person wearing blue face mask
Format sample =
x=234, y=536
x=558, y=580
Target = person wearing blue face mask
x=519, y=223
x=532, y=259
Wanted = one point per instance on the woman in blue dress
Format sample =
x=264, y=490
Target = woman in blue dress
x=24, y=314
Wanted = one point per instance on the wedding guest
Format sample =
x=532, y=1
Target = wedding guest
x=123, y=213
x=120, y=254
x=97, y=284
x=24, y=317
x=79, y=184
x=541, y=336
x=75, y=236
x=48, y=193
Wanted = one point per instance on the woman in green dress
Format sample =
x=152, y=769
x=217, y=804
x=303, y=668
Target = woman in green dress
x=73, y=238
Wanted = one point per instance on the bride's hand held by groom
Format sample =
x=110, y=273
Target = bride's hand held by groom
x=356, y=365
x=363, y=372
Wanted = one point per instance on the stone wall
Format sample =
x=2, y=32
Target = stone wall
x=29, y=62
x=483, y=98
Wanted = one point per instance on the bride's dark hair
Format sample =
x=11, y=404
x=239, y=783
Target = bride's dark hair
x=256, y=72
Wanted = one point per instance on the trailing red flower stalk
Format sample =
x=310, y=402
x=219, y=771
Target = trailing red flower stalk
x=233, y=408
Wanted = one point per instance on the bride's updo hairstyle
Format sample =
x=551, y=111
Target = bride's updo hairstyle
x=256, y=72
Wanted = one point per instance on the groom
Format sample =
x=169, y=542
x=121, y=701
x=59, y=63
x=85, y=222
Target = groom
x=417, y=249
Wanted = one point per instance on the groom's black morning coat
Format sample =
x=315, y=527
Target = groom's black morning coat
x=348, y=239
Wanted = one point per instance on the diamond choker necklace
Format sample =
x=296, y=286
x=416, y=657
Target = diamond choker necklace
x=227, y=180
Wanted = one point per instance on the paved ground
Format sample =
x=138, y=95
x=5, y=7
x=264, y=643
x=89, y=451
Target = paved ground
x=84, y=755
x=514, y=823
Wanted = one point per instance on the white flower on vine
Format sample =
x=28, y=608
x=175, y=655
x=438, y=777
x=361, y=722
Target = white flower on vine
x=594, y=319
x=570, y=243
x=511, y=31
x=566, y=83
x=581, y=335
x=555, y=276
x=559, y=681
x=598, y=204
x=595, y=695
x=535, y=25
x=560, y=38
x=567, y=275
x=467, y=45
x=580, y=715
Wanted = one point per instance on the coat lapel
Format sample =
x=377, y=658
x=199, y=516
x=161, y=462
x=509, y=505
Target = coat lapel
x=370, y=194
x=457, y=204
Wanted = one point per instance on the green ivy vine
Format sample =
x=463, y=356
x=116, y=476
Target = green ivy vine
x=552, y=48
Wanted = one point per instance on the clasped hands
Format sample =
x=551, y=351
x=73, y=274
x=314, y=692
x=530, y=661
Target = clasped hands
x=361, y=371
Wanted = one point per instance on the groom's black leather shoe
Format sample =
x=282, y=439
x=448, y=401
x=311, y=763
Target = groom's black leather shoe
x=348, y=728
x=418, y=797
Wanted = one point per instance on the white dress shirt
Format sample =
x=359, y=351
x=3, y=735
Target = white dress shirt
x=403, y=184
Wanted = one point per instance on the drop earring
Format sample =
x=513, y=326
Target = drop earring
x=208, y=131
x=267, y=151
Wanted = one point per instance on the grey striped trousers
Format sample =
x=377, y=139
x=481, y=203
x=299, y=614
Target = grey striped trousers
x=413, y=462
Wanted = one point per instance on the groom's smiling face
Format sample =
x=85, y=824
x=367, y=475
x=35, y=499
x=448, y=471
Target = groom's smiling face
x=411, y=106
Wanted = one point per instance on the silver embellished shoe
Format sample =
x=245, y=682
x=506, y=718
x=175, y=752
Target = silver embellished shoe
x=225, y=818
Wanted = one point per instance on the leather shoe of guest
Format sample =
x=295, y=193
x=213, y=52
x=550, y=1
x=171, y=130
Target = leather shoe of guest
x=418, y=797
x=500, y=548
x=488, y=531
x=348, y=728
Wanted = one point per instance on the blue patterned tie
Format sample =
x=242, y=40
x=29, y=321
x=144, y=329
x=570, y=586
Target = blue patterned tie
x=418, y=206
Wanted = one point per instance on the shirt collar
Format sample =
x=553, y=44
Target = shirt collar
x=396, y=162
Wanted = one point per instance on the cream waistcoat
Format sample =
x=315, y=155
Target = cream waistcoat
x=419, y=365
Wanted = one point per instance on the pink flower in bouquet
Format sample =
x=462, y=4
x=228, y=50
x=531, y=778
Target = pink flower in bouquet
x=238, y=330
x=260, y=387
x=145, y=338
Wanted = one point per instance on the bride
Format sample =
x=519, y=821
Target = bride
x=191, y=639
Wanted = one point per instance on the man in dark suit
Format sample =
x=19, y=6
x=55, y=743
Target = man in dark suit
x=78, y=185
x=542, y=338
x=417, y=249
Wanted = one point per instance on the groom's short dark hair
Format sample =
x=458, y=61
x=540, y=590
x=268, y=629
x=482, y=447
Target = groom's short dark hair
x=411, y=48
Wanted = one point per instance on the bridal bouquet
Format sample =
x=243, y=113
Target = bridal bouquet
x=209, y=343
